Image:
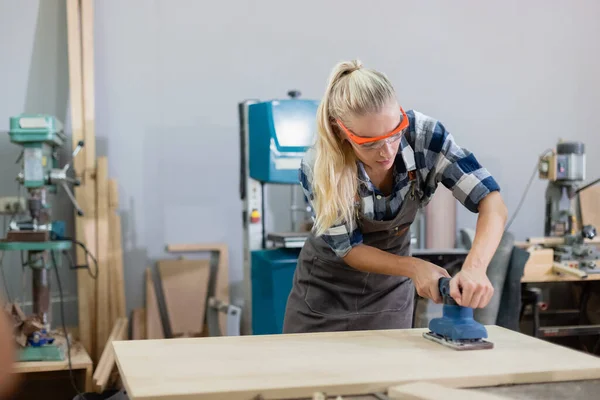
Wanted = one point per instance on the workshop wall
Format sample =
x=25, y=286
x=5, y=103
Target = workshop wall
x=508, y=79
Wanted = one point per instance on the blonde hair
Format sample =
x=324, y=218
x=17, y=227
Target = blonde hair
x=352, y=91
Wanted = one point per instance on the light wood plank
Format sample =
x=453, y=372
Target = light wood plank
x=89, y=99
x=221, y=286
x=138, y=324
x=85, y=285
x=154, y=327
x=107, y=361
x=89, y=196
x=114, y=333
x=550, y=241
x=185, y=288
x=339, y=363
x=117, y=279
x=103, y=280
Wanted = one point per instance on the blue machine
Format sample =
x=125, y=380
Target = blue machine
x=274, y=135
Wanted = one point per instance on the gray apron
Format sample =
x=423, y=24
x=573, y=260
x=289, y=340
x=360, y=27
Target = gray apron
x=329, y=295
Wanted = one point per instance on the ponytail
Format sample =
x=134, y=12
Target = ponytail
x=351, y=91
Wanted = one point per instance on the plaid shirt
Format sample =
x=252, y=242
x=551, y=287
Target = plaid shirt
x=428, y=149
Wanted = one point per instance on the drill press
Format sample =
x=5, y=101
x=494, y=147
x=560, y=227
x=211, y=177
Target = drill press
x=565, y=170
x=41, y=137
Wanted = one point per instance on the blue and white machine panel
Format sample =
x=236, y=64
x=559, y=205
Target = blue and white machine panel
x=279, y=133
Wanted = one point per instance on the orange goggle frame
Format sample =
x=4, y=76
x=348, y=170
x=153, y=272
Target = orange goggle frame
x=363, y=140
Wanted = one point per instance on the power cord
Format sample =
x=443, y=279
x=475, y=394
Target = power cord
x=94, y=276
x=535, y=170
x=62, y=317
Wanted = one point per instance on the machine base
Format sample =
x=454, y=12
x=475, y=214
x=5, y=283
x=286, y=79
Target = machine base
x=470, y=344
x=49, y=352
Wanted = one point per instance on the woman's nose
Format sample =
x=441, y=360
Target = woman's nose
x=386, y=150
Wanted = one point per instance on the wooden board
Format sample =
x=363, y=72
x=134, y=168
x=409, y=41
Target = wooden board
x=86, y=291
x=220, y=289
x=107, y=360
x=340, y=363
x=89, y=96
x=154, y=328
x=103, y=323
x=117, y=280
x=138, y=324
x=539, y=269
x=185, y=287
x=550, y=241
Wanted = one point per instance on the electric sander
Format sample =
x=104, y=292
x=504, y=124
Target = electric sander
x=456, y=328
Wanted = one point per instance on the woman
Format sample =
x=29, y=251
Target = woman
x=8, y=380
x=372, y=167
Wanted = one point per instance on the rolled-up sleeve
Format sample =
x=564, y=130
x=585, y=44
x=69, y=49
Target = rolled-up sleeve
x=458, y=169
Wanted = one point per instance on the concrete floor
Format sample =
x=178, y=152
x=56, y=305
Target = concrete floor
x=549, y=391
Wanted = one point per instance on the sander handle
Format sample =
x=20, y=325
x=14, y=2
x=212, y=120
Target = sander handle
x=444, y=286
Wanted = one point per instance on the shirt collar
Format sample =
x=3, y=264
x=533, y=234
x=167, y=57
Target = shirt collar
x=407, y=153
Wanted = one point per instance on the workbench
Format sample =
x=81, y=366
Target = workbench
x=55, y=373
x=538, y=271
x=339, y=363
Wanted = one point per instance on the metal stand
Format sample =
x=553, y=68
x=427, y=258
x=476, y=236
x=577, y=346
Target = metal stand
x=234, y=314
x=532, y=297
x=40, y=346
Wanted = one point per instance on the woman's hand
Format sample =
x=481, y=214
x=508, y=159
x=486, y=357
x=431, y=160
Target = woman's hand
x=471, y=288
x=426, y=278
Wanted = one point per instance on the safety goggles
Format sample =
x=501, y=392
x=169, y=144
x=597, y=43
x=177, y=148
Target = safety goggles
x=369, y=143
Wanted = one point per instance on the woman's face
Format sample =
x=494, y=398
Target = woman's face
x=379, y=155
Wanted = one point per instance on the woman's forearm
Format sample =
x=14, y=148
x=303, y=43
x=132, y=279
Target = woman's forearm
x=488, y=232
x=370, y=259
x=424, y=275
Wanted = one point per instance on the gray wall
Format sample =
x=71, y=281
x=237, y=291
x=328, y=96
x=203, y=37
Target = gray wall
x=508, y=79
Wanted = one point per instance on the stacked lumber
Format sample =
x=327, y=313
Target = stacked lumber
x=184, y=286
x=101, y=293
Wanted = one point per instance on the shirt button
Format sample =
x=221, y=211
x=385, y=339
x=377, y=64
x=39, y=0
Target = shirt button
x=378, y=197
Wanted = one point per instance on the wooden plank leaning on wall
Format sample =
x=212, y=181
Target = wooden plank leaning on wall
x=101, y=293
x=220, y=290
x=103, y=299
x=84, y=193
x=89, y=117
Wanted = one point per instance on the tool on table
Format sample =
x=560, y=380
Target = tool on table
x=274, y=136
x=41, y=137
x=456, y=328
x=565, y=170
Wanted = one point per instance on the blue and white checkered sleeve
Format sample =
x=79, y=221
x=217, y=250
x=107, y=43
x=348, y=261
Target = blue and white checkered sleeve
x=457, y=168
x=339, y=237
